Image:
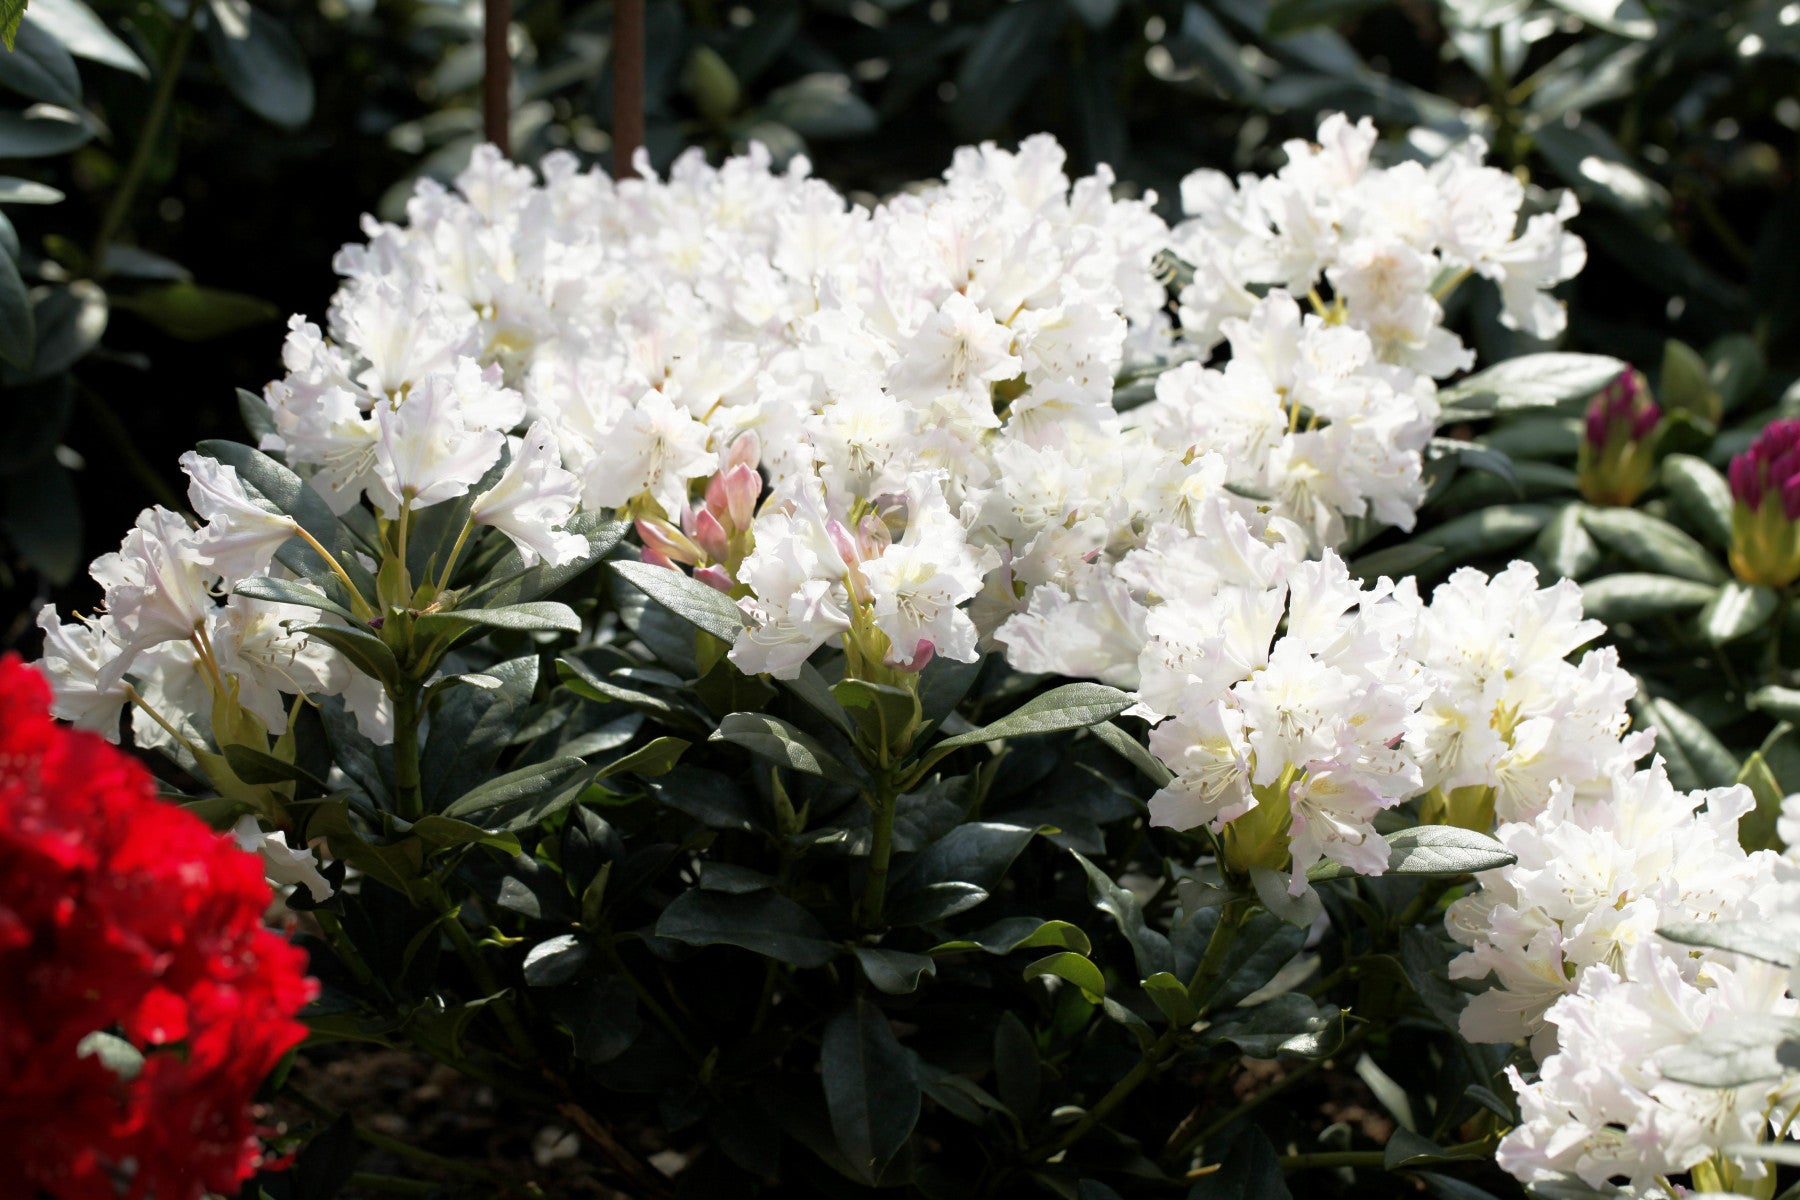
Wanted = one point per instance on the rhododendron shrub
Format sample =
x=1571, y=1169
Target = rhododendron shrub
x=923, y=696
x=145, y=1003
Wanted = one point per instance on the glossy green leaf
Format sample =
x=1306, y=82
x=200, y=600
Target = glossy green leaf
x=1071, y=706
x=871, y=1087
x=1636, y=597
x=1020, y=933
x=522, y=798
x=763, y=922
x=533, y=616
x=1529, y=381
x=1080, y=971
x=194, y=313
x=1652, y=544
x=895, y=972
x=259, y=62
x=1431, y=850
x=37, y=67
x=782, y=743
x=1701, y=495
x=1738, y=610
x=85, y=35
x=694, y=602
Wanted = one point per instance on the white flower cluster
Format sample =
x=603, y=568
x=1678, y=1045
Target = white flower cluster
x=894, y=431
x=1569, y=935
x=1367, y=697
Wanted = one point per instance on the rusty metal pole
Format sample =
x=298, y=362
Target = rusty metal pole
x=628, y=83
x=496, y=83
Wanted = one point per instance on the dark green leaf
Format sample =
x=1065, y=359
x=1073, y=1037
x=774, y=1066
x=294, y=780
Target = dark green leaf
x=259, y=62
x=601, y=1014
x=934, y=902
x=84, y=35
x=763, y=922
x=821, y=107
x=1652, y=544
x=39, y=68
x=556, y=960
x=1430, y=850
x=471, y=727
x=290, y=591
x=1529, y=381
x=368, y=653
x=529, y=617
x=1291, y=1023
x=779, y=742
x=1696, y=757
x=1018, y=933
x=871, y=1087
x=510, y=581
x=1071, y=706
x=1251, y=1171
x=694, y=602
x=196, y=314
x=522, y=798
x=42, y=519
x=1148, y=947
x=1738, y=610
x=895, y=972
x=1620, y=598
x=1272, y=890
x=1701, y=495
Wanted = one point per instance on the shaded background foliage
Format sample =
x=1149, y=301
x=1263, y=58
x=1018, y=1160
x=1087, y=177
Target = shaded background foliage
x=1674, y=121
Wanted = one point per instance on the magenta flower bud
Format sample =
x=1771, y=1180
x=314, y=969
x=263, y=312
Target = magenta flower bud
x=666, y=541
x=710, y=536
x=1617, y=453
x=1765, y=513
x=656, y=560
x=715, y=576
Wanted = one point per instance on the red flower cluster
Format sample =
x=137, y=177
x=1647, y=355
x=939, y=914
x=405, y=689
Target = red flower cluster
x=123, y=915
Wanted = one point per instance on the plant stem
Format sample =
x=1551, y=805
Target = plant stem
x=1372, y=1158
x=406, y=751
x=149, y=133
x=358, y=605
x=1217, y=947
x=651, y=1003
x=345, y=949
x=1189, y=1134
x=470, y=953
x=392, y=1185
x=380, y=1141
x=881, y=853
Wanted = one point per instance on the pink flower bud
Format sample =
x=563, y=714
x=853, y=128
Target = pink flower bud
x=746, y=451
x=715, y=577
x=667, y=541
x=843, y=541
x=742, y=487
x=656, y=560
x=921, y=657
x=710, y=536
x=873, y=536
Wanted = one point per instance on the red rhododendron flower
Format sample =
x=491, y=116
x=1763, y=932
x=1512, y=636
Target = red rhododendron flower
x=126, y=917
